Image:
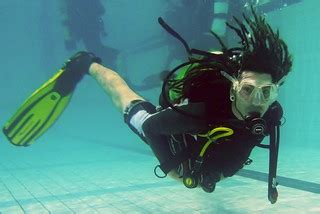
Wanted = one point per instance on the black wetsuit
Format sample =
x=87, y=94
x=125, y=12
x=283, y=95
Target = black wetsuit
x=168, y=132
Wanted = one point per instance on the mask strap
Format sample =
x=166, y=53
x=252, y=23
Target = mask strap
x=232, y=79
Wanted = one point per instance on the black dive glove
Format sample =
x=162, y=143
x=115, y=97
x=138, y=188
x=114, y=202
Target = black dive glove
x=74, y=70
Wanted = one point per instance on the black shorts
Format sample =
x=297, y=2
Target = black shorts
x=136, y=113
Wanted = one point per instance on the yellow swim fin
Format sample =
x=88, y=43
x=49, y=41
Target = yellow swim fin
x=37, y=113
x=47, y=103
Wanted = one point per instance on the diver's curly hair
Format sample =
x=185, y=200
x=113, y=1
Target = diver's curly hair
x=262, y=49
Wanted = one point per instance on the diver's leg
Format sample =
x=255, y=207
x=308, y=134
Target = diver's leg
x=114, y=86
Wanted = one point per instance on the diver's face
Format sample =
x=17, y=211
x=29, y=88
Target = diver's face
x=254, y=93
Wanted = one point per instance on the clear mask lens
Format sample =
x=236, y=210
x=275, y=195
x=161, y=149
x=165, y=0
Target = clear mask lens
x=258, y=94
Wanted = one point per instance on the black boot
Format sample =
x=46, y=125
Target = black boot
x=74, y=70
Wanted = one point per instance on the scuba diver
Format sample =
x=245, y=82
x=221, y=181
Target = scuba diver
x=214, y=109
x=83, y=22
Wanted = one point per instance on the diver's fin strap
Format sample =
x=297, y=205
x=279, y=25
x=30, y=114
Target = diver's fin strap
x=273, y=162
x=174, y=161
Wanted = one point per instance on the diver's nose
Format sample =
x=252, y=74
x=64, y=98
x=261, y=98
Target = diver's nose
x=257, y=99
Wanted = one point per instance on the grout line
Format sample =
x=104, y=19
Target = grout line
x=102, y=188
x=61, y=186
x=25, y=187
x=48, y=192
x=16, y=200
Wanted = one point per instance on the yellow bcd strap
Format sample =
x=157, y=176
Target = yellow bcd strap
x=210, y=135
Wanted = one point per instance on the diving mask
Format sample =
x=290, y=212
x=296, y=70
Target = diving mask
x=257, y=94
x=253, y=91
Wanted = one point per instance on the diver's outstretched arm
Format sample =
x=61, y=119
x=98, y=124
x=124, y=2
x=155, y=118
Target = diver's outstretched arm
x=114, y=85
